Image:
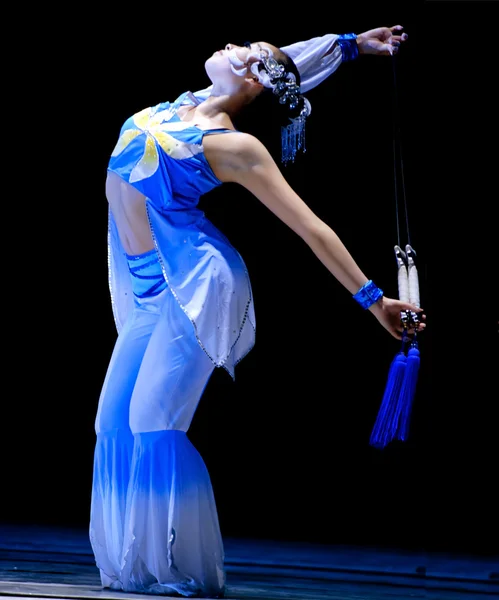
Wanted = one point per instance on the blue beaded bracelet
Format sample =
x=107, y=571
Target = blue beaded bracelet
x=368, y=294
x=348, y=44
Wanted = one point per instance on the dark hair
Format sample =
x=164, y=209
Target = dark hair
x=285, y=110
x=265, y=116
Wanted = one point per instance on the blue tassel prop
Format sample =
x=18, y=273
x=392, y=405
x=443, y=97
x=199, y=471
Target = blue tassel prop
x=408, y=391
x=385, y=427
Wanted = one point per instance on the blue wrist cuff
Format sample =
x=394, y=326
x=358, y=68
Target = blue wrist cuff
x=348, y=44
x=368, y=294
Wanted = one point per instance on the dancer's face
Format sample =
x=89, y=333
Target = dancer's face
x=218, y=66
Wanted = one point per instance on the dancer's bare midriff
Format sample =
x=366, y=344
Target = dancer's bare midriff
x=128, y=206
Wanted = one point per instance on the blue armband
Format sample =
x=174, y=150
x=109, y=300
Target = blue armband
x=348, y=44
x=368, y=294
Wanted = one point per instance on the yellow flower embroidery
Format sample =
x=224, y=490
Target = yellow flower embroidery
x=153, y=127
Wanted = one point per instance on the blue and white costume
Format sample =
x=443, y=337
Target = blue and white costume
x=181, y=310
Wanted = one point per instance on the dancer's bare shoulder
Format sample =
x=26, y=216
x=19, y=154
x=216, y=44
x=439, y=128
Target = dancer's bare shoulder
x=234, y=155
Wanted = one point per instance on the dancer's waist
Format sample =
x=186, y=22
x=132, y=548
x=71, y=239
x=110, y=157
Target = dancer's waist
x=146, y=273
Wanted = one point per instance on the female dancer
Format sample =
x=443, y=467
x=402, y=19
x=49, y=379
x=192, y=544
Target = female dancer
x=183, y=304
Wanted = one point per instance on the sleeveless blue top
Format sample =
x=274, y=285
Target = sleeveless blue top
x=162, y=157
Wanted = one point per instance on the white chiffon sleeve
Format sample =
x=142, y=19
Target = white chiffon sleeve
x=310, y=59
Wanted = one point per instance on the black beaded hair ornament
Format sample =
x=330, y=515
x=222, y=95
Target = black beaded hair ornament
x=273, y=75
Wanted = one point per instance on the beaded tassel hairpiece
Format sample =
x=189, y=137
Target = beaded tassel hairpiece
x=293, y=139
x=285, y=87
x=283, y=84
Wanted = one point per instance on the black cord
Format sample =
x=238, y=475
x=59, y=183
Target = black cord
x=397, y=141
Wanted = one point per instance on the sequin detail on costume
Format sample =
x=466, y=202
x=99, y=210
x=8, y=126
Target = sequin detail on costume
x=149, y=124
x=205, y=274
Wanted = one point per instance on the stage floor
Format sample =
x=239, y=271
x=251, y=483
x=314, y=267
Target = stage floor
x=53, y=562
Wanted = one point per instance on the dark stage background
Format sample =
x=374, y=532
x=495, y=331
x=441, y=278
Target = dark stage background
x=287, y=443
